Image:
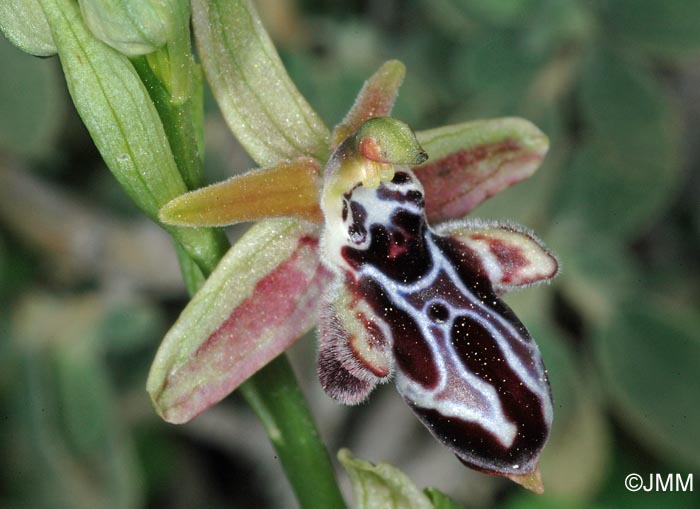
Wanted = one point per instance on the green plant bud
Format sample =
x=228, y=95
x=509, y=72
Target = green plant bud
x=24, y=24
x=133, y=27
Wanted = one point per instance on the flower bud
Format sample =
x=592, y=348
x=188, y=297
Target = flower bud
x=133, y=27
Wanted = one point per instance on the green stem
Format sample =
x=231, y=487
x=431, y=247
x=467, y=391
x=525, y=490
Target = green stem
x=274, y=395
x=178, y=122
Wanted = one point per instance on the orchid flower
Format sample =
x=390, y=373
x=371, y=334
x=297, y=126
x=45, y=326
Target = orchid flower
x=351, y=248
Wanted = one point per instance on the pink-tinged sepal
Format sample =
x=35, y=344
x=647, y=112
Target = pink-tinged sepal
x=262, y=296
x=472, y=161
x=512, y=256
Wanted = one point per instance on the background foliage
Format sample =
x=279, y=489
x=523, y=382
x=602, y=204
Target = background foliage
x=88, y=287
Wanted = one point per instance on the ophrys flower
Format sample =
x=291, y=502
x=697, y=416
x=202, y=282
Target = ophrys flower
x=397, y=297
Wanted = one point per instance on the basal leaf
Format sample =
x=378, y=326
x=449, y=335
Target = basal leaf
x=597, y=269
x=649, y=356
x=440, y=500
x=611, y=196
x=628, y=171
x=381, y=486
x=65, y=408
x=671, y=25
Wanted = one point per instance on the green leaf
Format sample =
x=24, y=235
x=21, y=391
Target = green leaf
x=628, y=460
x=260, y=103
x=503, y=12
x=597, y=271
x=124, y=124
x=610, y=196
x=31, y=104
x=173, y=62
x=522, y=500
x=576, y=456
x=668, y=26
x=649, y=356
x=24, y=24
x=628, y=110
x=381, y=486
x=627, y=172
x=116, y=109
x=440, y=500
x=498, y=68
x=131, y=326
x=65, y=409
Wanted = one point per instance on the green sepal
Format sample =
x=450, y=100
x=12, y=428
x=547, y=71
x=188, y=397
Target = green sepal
x=261, y=105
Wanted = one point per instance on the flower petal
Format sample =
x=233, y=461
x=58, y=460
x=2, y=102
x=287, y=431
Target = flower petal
x=289, y=188
x=376, y=99
x=258, y=301
x=512, y=256
x=474, y=160
x=354, y=349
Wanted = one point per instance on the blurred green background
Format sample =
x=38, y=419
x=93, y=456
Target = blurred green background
x=88, y=287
